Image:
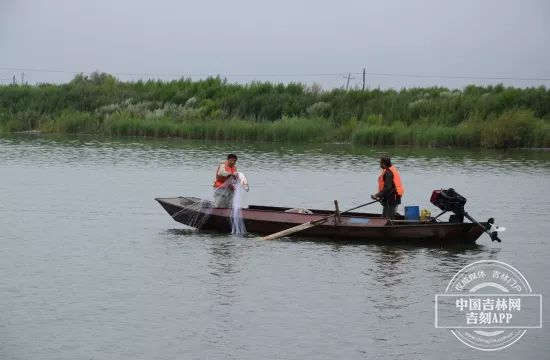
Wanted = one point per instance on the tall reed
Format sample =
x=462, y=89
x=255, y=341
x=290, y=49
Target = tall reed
x=491, y=116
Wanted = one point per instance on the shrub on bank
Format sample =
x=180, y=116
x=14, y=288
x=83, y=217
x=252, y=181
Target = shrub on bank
x=492, y=116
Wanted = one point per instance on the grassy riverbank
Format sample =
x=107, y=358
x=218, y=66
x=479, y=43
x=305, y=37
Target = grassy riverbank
x=489, y=117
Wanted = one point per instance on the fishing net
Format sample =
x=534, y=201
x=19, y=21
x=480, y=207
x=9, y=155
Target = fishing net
x=229, y=195
x=195, y=212
x=236, y=216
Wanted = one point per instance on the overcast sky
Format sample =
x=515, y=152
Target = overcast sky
x=284, y=40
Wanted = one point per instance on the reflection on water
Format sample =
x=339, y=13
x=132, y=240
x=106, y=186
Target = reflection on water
x=81, y=151
x=93, y=265
x=225, y=257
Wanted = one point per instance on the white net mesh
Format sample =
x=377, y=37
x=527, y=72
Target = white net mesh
x=195, y=212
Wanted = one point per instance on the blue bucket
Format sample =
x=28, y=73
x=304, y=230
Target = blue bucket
x=412, y=213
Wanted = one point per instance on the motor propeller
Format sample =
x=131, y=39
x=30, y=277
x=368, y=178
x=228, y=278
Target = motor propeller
x=493, y=229
x=450, y=200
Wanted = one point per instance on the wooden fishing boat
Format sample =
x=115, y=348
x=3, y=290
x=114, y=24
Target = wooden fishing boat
x=352, y=226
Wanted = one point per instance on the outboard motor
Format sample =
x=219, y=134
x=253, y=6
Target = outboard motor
x=450, y=200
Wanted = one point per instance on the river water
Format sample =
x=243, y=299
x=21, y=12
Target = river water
x=93, y=268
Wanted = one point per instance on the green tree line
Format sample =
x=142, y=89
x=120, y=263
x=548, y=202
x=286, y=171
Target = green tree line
x=475, y=116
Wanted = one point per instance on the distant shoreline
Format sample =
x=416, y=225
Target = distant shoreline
x=493, y=117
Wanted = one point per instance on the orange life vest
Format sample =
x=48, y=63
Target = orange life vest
x=396, y=180
x=220, y=180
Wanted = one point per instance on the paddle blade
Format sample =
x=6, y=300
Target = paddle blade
x=291, y=230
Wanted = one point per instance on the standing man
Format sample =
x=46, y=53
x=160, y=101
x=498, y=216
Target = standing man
x=223, y=193
x=390, y=188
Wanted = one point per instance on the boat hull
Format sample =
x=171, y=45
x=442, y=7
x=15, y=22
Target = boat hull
x=360, y=227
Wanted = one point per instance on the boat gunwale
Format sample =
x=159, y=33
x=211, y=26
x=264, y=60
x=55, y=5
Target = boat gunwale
x=318, y=212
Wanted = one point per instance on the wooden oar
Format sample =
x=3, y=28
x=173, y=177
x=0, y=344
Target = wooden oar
x=309, y=224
